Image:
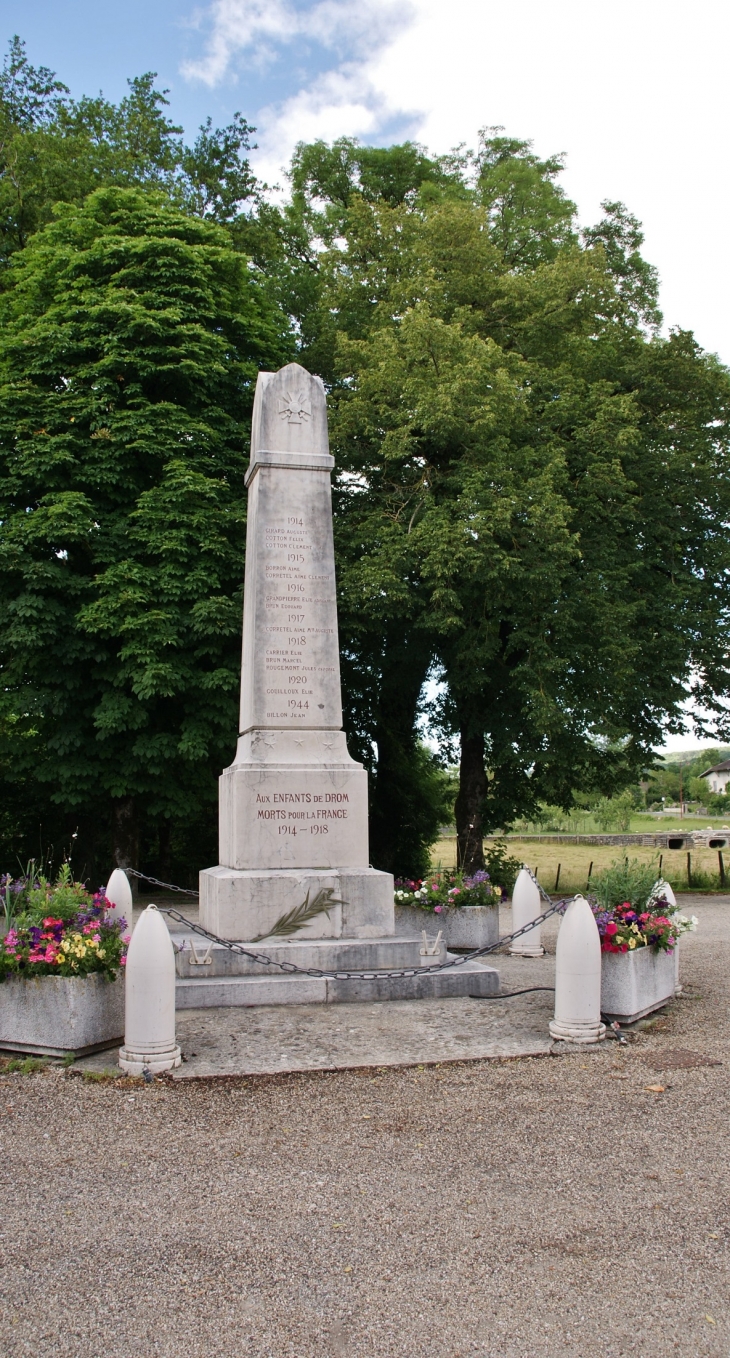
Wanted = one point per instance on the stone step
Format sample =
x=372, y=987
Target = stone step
x=470, y=978
x=196, y=960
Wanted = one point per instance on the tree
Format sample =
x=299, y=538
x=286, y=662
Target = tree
x=533, y=485
x=131, y=338
x=56, y=149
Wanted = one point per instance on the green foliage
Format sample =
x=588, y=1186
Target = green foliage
x=55, y=149
x=23, y=1065
x=132, y=335
x=531, y=490
x=625, y=880
x=31, y=897
x=411, y=797
x=509, y=493
x=501, y=865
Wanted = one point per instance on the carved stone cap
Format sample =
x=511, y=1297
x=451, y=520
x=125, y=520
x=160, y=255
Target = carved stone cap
x=289, y=426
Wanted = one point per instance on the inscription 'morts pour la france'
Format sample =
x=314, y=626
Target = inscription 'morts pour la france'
x=291, y=673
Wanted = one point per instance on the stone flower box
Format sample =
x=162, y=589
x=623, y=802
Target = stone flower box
x=53, y=1015
x=467, y=926
x=635, y=983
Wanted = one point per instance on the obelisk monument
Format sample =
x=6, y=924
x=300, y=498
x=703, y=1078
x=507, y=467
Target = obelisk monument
x=293, y=805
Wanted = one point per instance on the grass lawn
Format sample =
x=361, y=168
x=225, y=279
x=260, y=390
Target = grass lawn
x=575, y=861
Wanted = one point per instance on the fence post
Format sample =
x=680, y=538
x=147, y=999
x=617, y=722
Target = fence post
x=578, y=977
x=722, y=867
x=689, y=869
x=149, y=1003
x=526, y=906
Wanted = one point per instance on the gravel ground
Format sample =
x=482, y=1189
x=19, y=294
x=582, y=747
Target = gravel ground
x=552, y=1206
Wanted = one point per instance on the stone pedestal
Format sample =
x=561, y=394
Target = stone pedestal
x=293, y=805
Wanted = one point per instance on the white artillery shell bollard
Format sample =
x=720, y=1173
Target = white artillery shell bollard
x=526, y=906
x=578, y=977
x=119, y=895
x=149, y=1022
x=671, y=901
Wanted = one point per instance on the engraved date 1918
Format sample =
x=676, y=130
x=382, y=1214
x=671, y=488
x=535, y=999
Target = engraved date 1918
x=302, y=829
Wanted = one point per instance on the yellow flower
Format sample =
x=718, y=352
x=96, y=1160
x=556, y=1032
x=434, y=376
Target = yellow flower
x=632, y=942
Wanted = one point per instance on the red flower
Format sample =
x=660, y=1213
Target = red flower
x=611, y=928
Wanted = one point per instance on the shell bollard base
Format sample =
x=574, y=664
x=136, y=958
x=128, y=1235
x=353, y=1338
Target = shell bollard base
x=579, y=1032
x=136, y=1063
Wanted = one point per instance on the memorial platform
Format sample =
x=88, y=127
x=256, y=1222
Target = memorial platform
x=211, y=976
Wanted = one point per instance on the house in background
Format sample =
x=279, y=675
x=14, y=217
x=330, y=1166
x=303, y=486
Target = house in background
x=718, y=776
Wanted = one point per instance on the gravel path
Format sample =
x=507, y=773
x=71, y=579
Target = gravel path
x=536, y=1208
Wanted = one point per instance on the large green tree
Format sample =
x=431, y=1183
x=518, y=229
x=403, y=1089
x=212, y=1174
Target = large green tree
x=54, y=148
x=131, y=337
x=533, y=484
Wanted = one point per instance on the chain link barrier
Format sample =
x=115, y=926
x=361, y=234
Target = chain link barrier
x=291, y=968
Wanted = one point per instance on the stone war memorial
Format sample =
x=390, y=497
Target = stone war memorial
x=293, y=818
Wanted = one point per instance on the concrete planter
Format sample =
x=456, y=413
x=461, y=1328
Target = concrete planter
x=52, y=1015
x=635, y=983
x=468, y=926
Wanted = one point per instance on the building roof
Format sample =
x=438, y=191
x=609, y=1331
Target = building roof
x=724, y=767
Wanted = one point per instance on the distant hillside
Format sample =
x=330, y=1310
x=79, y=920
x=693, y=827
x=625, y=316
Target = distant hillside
x=707, y=754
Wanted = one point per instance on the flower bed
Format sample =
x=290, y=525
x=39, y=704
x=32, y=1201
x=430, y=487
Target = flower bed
x=639, y=940
x=447, y=890
x=61, y=967
x=464, y=908
x=635, y=983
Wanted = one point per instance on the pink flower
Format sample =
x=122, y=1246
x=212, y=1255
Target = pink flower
x=437, y=909
x=122, y=961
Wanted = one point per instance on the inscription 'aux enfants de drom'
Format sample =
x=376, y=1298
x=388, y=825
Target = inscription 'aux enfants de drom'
x=312, y=816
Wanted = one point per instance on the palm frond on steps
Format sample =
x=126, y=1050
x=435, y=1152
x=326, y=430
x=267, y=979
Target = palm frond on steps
x=294, y=920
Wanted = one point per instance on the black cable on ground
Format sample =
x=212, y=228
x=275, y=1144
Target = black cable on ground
x=508, y=994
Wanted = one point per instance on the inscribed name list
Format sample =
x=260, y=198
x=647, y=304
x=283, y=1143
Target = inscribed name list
x=291, y=673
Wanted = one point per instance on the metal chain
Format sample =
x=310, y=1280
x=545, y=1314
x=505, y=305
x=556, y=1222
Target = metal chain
x=291, y=967
x=263, y=960
x=166, y=886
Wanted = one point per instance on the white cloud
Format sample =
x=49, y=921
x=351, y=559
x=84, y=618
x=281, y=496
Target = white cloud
x=257, y=26
x=636, y=93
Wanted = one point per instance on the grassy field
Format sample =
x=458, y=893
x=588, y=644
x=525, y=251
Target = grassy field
x=641, y=823
x=575, y=862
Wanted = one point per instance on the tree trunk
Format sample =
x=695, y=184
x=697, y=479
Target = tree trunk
x=125, y=835
x=468, y=808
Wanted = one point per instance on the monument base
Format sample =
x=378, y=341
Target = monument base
x=209, y=976
x=245, y=904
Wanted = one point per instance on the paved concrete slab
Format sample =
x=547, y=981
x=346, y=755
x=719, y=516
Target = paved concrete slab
x=276, y=1038
x=279, y=1038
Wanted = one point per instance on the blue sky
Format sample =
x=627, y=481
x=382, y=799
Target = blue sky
x=635, y=93
x=94, y=44
x=277, y=50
